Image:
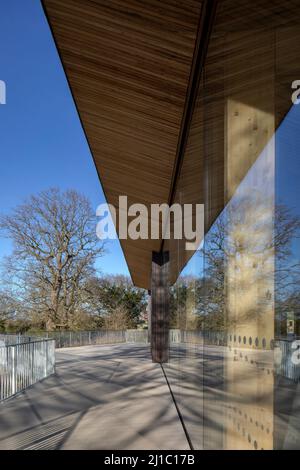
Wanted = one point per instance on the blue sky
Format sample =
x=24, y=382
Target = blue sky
x=41, y=141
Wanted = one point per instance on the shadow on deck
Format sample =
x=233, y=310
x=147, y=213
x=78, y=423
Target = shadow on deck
x=101, y=397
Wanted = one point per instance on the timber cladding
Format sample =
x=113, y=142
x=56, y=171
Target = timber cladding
x=160, y=307
x=128, y=64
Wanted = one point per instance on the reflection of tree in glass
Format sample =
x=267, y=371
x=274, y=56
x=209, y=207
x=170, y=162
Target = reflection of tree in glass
x=245, y=251
x=182, y=303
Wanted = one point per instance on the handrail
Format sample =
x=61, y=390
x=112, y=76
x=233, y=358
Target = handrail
x=24, y=363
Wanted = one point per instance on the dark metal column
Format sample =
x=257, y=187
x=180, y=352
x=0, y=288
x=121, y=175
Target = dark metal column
x=160, y=305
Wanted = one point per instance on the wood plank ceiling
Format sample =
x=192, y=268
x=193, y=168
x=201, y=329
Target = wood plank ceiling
x=128, y=64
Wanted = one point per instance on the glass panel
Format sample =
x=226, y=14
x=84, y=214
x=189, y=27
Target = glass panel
x=235, y=368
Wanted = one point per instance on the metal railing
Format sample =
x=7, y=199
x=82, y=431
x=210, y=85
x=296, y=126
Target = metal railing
x=7, y=339
x=67, y=339
x=286, y=358
x=24, y=363
x=137, y=336
x=217, y=338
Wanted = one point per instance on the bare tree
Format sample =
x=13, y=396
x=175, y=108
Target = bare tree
x=118, y=319
x=8, y=308
x=253, y=232
x=55, y=248
x=116, y=301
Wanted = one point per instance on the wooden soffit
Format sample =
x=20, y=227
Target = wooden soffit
x=128, y=64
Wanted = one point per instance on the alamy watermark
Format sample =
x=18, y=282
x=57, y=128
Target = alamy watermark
x=292, y=354
x=2, y=92
x=159, y=221
x=296, y=94
x=296, y=354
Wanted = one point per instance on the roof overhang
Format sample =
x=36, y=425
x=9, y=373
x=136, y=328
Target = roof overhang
x=132, y=68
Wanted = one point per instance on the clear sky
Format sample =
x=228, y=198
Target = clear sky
x=41, y=141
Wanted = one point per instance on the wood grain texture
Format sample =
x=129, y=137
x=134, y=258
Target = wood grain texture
x=160, y=307
x=243, y=97
x=128, y=64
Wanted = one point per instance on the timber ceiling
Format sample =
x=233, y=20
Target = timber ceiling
x=128, y=65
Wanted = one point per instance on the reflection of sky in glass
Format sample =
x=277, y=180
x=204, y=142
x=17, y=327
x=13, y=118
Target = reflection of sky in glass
x=195, y=265
x=287, y=178
x=288, y=165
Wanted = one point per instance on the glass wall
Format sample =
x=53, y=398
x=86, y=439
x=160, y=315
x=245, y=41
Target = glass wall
x=234, y=353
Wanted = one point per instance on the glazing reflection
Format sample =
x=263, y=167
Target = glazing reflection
x=235, y=364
